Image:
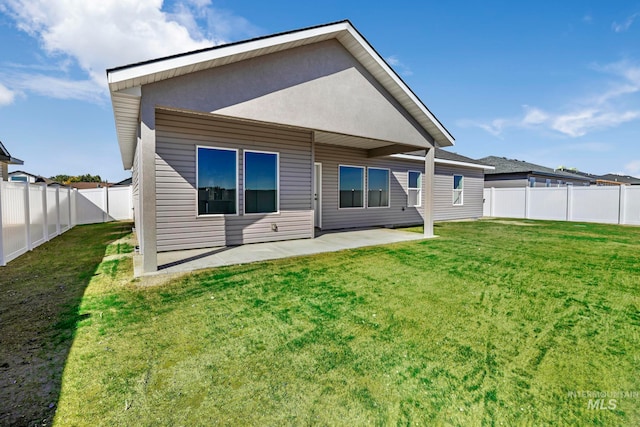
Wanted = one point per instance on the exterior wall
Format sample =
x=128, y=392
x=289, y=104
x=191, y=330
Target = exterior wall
x=135, y=190
x=443, y=208
x=397, y=214
x=179, y=227
x=318, y=86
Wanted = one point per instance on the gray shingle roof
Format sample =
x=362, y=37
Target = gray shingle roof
x=448, y=155
x=503, y=166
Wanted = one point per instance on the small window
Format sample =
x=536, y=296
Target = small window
x=351, y=183
x=217, y=181
x=260, y=182
x=458, y=189
x=18, y=178
x=560, y=183
x=414, y=198
x=532, y=182
x=378, y=188
x=547, y=183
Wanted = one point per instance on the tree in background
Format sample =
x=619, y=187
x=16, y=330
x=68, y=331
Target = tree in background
x=67, y=179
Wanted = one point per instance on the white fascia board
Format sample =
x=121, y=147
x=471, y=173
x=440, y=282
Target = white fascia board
x=372, y=53
x=442, y=161
x=130, y=73
x=463, y=164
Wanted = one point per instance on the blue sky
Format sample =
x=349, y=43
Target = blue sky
x=554, y=83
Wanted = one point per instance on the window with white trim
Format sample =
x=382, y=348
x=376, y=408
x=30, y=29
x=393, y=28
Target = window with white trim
x=458, y=190
x=414, y=196
x=547, y=182
x=350, y=186
x=217, y=180
x=377, y=188
x=261, y=183
x=532, y=182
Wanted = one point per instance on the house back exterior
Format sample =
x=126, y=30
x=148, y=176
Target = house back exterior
x=270, y=139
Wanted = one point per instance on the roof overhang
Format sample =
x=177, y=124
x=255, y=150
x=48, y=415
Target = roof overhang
x=443, y=162
x=125, y=82
x=11, y=160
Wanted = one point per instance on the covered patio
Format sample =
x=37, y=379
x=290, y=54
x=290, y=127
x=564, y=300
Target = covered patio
x=185, y=261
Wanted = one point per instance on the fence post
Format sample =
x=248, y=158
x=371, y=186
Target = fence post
x=69, y=226
x=57, y=187
x=622, y=198
x=569, y=202
x=105, y=204
x=527, y=201
x=492, y=206
x=45, y=212
x=27, y=215
x=2, y=261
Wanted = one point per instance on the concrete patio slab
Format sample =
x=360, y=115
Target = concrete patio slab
x=176, y=262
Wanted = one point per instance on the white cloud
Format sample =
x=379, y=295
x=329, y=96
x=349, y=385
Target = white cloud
x=7, y=96
x=602, y=110
x=579, y=123
x=633, y=167
x=102, y=34
x=624, y=26
x=58, y=87
x=399, y=66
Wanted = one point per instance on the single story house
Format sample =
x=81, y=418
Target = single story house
x=5, y=160
x=458, y=185
x=22, y=176
x=620, y=179
x=271, y=138
x=518, y=173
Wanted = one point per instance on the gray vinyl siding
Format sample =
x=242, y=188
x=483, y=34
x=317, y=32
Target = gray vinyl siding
x=473, y=185
x=507, y=183
x=179, y=227
x=397, y=214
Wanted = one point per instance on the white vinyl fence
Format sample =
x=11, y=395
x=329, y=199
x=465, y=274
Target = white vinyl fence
x=31, y=214
x=609, y=205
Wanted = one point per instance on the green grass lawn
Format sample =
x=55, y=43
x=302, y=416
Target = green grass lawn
x=495, y=322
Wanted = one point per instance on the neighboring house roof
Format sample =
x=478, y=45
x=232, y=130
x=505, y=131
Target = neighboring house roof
x=445, y=157
x=85, y=185
x=37, y=178
x=503, y=165
x=625, y=179
x=5, y=156
x=126, y=181
x=125, y=82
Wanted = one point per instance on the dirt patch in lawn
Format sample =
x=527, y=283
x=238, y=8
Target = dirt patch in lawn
x=40, y=293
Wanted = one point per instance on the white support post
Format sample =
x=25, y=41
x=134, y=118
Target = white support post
x=57, y=187
x=27, y=215
x=2, y=260
x=428, y=187
x=527, y=201
x=45, y=213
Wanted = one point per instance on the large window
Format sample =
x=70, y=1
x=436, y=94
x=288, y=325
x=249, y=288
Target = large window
x=378, y=188
x=351, y=186
x=260, y=182
x=217, y=181
x=414, y=198
x=458, y=190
